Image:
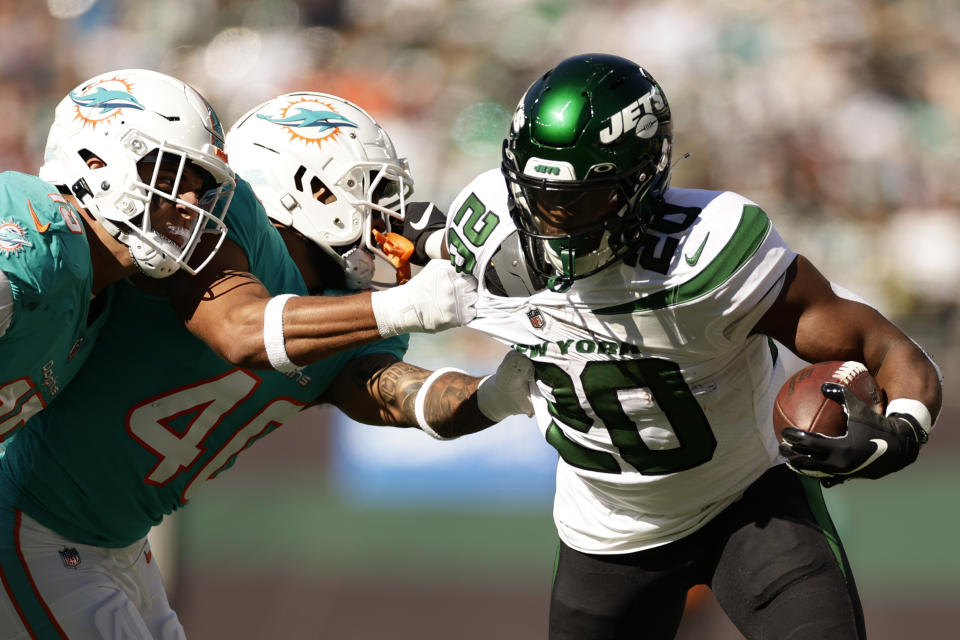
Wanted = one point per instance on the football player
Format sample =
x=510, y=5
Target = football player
x=310, y=187
x=649, y=313
x=146, y=206
x=143, y=184
x=154, y=412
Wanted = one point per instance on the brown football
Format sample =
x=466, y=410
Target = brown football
x=800, y=403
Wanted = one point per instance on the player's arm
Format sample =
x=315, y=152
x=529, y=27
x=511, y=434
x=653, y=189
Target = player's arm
x=447, y=403
x=810, y=319
x=817, y=325
x=228, y=308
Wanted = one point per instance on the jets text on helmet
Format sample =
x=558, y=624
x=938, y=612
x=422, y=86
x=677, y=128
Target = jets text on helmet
x=629, y=117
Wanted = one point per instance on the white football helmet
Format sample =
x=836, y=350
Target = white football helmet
x=322, y=165
x=132, y=116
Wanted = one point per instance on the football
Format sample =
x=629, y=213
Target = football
x=800, y=403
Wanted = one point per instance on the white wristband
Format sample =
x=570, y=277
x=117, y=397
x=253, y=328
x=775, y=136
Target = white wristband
x=913, y=408
x=273, y=339
x=421, y=399
x=384, y=303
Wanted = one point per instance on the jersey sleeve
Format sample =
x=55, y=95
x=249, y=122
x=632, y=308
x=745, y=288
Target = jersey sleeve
x=749, y=272
x=46, y=280
x=476, y=221
x=250, y=227
x=242, y=220
x=44, y=254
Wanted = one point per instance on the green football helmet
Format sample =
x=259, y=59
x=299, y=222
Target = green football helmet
x=588, y=150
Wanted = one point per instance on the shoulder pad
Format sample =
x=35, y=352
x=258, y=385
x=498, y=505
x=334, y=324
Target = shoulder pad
x=508, y=275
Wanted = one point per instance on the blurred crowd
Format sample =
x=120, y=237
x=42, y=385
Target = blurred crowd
x=839, y=117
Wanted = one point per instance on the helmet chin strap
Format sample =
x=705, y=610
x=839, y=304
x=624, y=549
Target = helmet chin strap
x=569, y=264
x=559, y=283
x=152, y=262
x=358, y=269
x=565, y=262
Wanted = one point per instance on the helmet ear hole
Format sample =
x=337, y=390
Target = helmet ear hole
x=321, y=192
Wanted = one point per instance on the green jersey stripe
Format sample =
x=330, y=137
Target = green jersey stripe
x=750, y=234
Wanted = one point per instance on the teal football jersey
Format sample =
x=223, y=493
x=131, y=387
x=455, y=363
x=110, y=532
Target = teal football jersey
x=155, y=412
x=46, y=259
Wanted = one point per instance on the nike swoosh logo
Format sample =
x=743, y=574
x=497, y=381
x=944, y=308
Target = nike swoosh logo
x=881, y=449
x=42, y=228
x=692, y=260
x=422, y=221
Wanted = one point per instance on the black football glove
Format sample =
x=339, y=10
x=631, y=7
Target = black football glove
x=422, y=220
x=873, y=446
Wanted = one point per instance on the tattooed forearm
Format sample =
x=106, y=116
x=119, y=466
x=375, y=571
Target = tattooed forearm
x=380, y=389
x=397, y=387
x=451, y=407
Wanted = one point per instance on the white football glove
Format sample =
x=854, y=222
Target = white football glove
x=435, y=299
x=507, y=392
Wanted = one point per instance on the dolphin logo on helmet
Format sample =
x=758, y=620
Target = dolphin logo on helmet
x=311, y=118
x=106, y=100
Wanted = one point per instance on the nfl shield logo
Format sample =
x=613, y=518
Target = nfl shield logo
x=70, y=557
x=535, y=318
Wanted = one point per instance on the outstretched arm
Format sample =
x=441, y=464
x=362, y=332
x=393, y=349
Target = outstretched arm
x=382, y=390
x=227, y=307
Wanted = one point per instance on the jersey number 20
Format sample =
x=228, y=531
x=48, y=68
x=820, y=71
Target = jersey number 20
x=601, y=380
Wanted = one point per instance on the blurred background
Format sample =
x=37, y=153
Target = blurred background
x=839, y=117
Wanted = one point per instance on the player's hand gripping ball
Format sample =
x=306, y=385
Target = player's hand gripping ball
x=835, y=445
x=801, y=403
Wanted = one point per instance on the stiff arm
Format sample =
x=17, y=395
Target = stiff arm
x=380, y=389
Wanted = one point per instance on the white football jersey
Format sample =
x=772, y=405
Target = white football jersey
x=649, y=382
